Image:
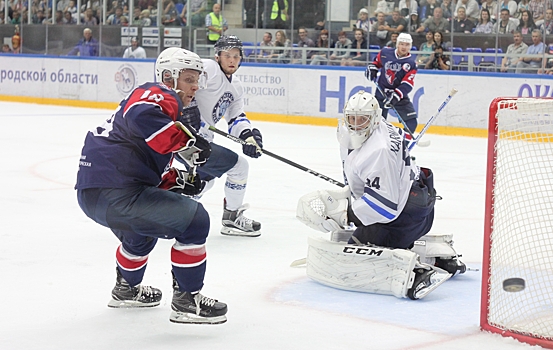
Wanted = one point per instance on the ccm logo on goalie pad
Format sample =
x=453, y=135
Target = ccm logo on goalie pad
x=362, y=251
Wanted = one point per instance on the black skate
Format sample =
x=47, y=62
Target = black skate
x=453, y=265
x=125, y=296
x=195, y=308
x=427, y=278
x=236, y=224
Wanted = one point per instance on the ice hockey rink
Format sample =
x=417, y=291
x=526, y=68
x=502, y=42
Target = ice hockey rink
x=57, y=267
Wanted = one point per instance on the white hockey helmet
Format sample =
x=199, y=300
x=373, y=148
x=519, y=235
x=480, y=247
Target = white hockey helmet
x=173, y=60
x=362, y=115
x=405, y=38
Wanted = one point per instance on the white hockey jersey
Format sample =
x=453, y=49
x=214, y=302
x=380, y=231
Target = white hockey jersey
x=221, y=97
x=379, y=174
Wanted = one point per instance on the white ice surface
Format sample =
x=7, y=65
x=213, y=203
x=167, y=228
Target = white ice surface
x=57, y=267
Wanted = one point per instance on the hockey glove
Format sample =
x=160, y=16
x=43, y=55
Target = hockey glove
x=191, y=116
x=391, y=99
x=179, y=181
x=197, y=150
x=371, y=72
x=254, y=145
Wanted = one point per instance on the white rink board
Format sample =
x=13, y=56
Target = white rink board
x=290, y=91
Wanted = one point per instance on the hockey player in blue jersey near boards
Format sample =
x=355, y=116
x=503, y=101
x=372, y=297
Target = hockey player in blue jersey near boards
x=126, y=182
x=397, y=69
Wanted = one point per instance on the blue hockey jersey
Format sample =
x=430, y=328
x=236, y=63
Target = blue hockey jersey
x=396, y=73
x=135, y=145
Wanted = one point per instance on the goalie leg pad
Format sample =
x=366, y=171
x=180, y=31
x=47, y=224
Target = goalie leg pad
x=368, y=269
x=437, y=249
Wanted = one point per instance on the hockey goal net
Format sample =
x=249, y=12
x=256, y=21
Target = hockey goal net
x=518, y=237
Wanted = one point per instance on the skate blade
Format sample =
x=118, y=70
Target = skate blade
x=130, y=304
x=183, y=317
x=437, y=279
x=227, y=231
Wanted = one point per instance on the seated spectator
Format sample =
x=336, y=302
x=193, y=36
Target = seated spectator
x=39, y=17
x=396, y=24
x=341, y=48
x=537, y=9
x=547, y=25
x=57, y=19
x=485, y=25
x=532, y=64
x=429, y=9
x=435, y=23
x=304, y=41
x=511, y=58
x=447, y=11
x=124, y=21
x=6, y=48
x=382, y=6
x=136, y=16
x=393, y=41
x=264, y=54
x=506, y=24
x=115, y=18
x=145, y=20
x=282, y=55
x=438, y=61
x=363, y=20
x=472, y=9
x=439, y=41
x=68, y=18
x=461, y=24
x=491, y=6
x=323, y=42
x=548, y=67
x=510, y=5
x=413, y=23
x=427, y=46
x=407, y=7
x=379, y=28
x=359, y=56
x=88, y=18
x=523, y=5
x=526, y=25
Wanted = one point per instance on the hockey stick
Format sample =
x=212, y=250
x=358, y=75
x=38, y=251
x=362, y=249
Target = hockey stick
x=270, y=154
x=431, y=120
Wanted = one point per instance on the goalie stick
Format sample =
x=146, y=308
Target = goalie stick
x=431, y=120
x=270, y=154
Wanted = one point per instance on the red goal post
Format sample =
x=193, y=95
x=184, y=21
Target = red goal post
x=518, y=233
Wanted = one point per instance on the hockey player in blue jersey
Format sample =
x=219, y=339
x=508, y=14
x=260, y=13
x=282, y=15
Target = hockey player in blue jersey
x=126, y=183
x=397, y=68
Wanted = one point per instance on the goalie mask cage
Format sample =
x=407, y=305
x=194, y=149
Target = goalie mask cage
x=518, y=234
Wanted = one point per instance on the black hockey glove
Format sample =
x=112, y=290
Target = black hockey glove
x=179, y=181
x=254, y=145
x=391, y=99
x=191, y=116
x=197, y=150
x=371, y=72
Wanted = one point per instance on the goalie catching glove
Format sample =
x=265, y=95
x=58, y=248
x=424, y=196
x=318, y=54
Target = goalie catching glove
x=324, y=211
x=197, y=149
x=371, y=72
x=254, y=145
x=179, y=181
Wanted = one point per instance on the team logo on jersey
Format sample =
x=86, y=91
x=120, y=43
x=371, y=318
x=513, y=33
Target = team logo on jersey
x=126, y=79
x=221, y=106
x=406, y=67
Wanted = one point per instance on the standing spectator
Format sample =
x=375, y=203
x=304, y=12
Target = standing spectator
x=447, y=10
x=427, y=46
x=264, y=55
x=537, y=48
x=87, y=46
x=537, y=8
x=491, y=6
x=435, y=23
x=526, y=25
x=142, y=201
x=279, y=14
x=304, y=41
x=282, y=55
x=506, y=24
x=359, y=56
x=115, y=18
x=397, y=24
x=547, y=26
x=215, y=24
x=88, y=18
x=134, y=51
x=484, y=26
x=363, y=20
x=325, y=43
x=438, y=61
x=472, y=9
x=510, y=5
x=341, y=49
x=68, y=18
x=462, y=24
x=512, y=56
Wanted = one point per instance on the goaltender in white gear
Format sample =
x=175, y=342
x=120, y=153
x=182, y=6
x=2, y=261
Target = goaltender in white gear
x=389, y=200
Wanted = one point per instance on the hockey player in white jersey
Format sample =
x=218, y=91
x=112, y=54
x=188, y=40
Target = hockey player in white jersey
x=391, y=203
x=223, y=97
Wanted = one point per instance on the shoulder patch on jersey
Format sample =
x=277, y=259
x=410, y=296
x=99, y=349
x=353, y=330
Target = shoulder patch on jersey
x=406, y=67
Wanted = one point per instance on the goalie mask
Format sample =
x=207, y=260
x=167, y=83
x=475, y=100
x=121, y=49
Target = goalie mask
x=362, y=115
x=172, y=61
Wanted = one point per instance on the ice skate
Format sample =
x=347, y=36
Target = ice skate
x=427, y=278
x=125, y=296
x=454, y=266
x=195, y=308
x=236, y=224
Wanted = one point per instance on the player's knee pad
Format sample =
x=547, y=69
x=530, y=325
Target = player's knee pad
x=197, y=231
x=238, y=174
